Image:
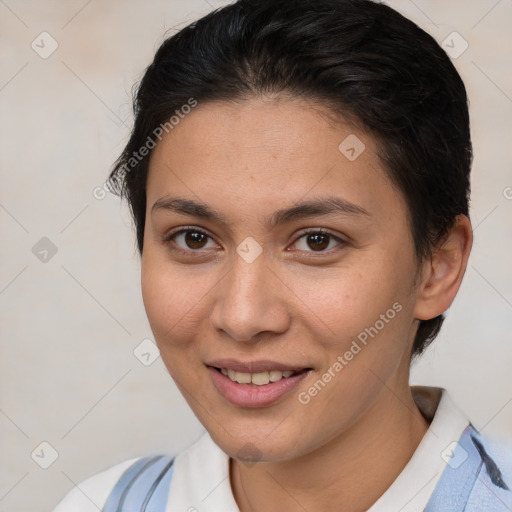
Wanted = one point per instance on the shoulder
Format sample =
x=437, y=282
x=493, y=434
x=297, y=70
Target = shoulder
x=143, y=476
x=496, y=454
x=485, y=470
x=91, y=494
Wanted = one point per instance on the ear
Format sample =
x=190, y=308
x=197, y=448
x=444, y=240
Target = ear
x=442, y=274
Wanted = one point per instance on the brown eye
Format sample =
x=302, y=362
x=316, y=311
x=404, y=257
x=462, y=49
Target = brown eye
x=317, y=242
x=195, y=239
x=188, y=240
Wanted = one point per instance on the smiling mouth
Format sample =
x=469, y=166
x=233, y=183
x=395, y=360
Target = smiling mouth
x=259, y=378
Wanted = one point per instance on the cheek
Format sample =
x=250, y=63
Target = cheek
x=367, y=311
x=172, y=299
x=343, y=302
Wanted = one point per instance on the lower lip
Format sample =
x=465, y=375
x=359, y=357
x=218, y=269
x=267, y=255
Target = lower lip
x=250, y=395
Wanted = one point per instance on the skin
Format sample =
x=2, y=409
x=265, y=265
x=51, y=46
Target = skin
x=292, y=304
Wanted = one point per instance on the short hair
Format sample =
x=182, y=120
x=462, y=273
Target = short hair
x=362, y=59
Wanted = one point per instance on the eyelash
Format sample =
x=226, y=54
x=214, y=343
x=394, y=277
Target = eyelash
x=167, y=239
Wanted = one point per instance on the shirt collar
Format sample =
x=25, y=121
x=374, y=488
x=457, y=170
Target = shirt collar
x=413, y=487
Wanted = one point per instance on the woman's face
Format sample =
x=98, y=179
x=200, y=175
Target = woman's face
x=250, y=287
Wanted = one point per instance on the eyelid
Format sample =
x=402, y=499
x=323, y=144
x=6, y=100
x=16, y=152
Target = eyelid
x=171, y=233
x=323, y=231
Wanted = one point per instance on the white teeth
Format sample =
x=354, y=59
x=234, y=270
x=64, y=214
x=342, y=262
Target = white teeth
x=259, y=379
x=243, y=378
x=275, y=375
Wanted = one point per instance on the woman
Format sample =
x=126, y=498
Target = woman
x=298, y=175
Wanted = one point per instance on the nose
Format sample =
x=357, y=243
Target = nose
x=250, y=301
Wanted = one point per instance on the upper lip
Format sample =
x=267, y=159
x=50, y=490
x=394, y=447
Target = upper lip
x=253, y=366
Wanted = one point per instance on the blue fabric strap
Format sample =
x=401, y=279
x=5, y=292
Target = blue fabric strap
x=143, y=487
x=471, y=482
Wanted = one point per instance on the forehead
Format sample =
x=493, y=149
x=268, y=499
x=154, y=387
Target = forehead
x=264, y=151
x=268, y=125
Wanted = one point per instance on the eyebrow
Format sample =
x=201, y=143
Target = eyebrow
x=315, y=207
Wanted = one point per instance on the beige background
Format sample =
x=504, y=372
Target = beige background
x=69, y=326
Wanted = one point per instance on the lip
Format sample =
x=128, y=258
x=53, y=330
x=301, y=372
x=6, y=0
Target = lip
x=251, y=395
x=254, y=366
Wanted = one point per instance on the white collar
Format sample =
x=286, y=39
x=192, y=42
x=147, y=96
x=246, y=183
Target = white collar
x=201, y=472
x=413, y=487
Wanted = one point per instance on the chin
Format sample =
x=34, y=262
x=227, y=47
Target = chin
x=254, y=445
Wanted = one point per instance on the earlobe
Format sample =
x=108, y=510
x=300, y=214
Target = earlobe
x=443, y=273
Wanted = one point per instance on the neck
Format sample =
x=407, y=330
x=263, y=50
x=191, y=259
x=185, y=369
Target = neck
x=352, y=470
